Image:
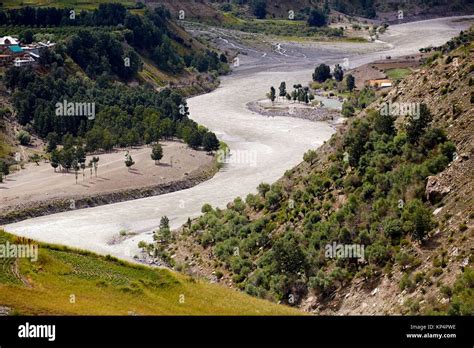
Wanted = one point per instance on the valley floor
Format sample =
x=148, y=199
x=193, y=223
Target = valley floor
x=268, y=146
x=40, y=183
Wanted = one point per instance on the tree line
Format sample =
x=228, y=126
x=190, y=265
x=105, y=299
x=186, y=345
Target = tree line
x=103, y=52
x=124, y=116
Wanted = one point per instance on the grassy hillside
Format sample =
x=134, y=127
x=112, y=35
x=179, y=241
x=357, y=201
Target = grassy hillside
x=105, y=286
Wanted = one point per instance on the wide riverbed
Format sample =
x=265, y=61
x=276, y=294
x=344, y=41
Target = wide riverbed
x=264, y=147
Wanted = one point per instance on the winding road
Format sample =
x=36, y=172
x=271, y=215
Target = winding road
x=264, y=147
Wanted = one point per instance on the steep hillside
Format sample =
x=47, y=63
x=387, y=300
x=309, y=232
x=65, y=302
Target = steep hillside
x=116, y=63
x=378, y=221
x=384, y=10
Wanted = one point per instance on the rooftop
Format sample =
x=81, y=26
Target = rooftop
x=8, y=40
x=15, y=48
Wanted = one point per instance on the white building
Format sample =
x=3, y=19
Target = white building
x=24, y=61
x=8, y=40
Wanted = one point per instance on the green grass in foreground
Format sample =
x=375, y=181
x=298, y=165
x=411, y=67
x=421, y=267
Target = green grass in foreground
x=106, y=286
x=397, y=74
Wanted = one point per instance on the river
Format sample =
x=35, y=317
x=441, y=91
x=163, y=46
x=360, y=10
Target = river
x=264, y=147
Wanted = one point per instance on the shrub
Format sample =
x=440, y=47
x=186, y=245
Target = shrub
x=377, y=253
x=206, y=208
x=24, y=137
x=406, y=283
x=348, y=109
x=417, y=219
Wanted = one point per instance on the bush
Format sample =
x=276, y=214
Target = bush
x=322, y=73
x=24, y=137
x=378, y=253
x=406, y=283
x=463, y=294
x=206, y=208
x=348, y=109
x=322, y=283
x=317, y=18
x=263, y=188
x=417, y=219
x=288, y=254
x=393, y=229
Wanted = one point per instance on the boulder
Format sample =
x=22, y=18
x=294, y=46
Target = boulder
x=435, y=191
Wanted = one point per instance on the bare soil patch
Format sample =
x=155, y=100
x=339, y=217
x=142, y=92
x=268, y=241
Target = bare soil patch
x=38, y=183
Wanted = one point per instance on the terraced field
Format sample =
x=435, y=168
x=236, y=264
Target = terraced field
x=7, y=264
x=73, y=282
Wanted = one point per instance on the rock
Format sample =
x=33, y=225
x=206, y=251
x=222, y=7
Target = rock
x=435, y=191
x=374, y=292
x=4, y=311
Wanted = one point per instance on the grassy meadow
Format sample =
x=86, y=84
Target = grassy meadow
x=72, y=282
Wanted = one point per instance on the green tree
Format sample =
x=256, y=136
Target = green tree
x=163, y=235
x=107, y=141
x=67, y=158
x=317, y=18
x=338, y=73
x=210, y=142
x=129, y=161
x=288, y=254
x=347, y=109
x=35, y=158
x=4, y=168
x=383, y=124
x=195, y=140
x=272, y=94
x=24, y=137
x=417, y=219
x=417, y=124
x=27, y=37
x=55, y=159
x=282, y=89
x=157, y=152
x=263, y=188
x=321, y=73
x=350, y=82
x=53, y=140
x=310, y=156
x=259, y=8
